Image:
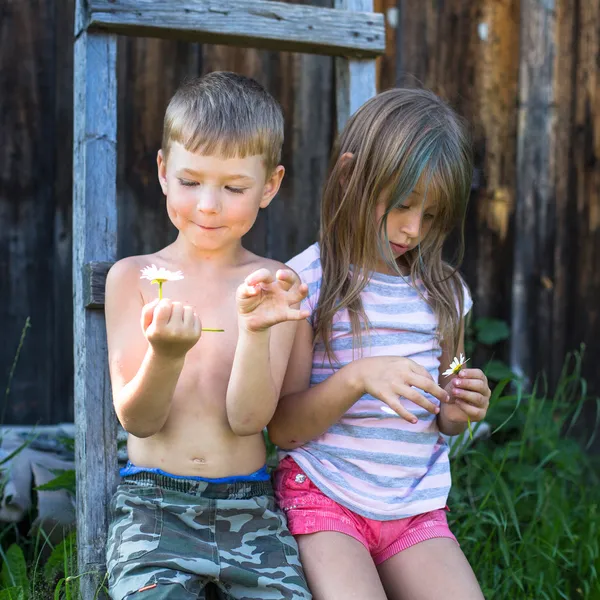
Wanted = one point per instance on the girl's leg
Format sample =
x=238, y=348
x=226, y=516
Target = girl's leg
x=338, y=567
x=430, y=570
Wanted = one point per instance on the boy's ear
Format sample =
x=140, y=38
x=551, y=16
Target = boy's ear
x=162, y=171
x=272, y=186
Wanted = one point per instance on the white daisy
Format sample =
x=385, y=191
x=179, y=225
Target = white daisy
x=389, y=410
x=160, y=275
x=455, y=366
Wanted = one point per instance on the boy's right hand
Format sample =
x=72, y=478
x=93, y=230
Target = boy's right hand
x=170, y=327
x=388, y=378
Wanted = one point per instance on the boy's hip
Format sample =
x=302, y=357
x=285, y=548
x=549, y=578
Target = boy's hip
x=194, y=527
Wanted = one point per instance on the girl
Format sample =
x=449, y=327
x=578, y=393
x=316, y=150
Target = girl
x=366, y=475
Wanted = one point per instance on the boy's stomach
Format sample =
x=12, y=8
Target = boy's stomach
x=197, y=441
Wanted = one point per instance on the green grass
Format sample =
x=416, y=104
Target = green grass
x=525, y=504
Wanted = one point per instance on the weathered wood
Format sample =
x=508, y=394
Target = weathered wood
x=250, y=23
x=532, y=300
x=94, y=282
x=387, y=74
x=355, y=80
x=27, y=210
x=94, y=239
x=307, y=101
x=564, y=325
x=584, y=217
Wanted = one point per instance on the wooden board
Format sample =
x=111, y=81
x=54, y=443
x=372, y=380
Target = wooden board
x=94, y=238
x=250, y=23
x=355, y=79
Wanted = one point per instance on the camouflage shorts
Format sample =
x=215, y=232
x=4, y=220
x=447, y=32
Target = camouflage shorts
x=169, y=538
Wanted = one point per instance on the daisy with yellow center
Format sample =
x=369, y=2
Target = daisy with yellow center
x=455, y=366
x=160, y=275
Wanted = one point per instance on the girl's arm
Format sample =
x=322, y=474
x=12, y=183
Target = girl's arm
x=468, y=390
x=304, y=413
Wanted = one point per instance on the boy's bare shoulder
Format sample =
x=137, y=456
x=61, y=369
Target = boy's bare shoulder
x=125, y=274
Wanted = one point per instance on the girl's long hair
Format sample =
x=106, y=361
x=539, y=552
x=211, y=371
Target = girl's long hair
x=400, y=139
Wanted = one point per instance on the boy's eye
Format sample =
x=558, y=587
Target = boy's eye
x=235, y=190
x=188, y=182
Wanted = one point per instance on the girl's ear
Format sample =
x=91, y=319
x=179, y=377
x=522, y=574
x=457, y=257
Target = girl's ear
x=346, y=163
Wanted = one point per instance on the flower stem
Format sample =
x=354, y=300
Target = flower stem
x=213, y=330
x=470, y=428
x=160, y=290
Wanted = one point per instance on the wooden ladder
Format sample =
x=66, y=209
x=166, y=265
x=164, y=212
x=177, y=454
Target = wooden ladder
x=350, y=31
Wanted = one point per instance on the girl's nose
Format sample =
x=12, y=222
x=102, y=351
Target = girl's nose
x=412, y=224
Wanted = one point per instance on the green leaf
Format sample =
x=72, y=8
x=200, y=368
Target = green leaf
x=12, y=593
x=64, y=480
x=497, y=370
x=491, y=331
x=62, y=561
x=14, y=569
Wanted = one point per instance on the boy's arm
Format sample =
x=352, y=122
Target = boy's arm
x=267, y=315
x=144, y=367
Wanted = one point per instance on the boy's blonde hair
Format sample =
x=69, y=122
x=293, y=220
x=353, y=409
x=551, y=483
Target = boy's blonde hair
x=227, y=114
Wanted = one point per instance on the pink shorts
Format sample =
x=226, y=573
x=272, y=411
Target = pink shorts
x=309, y=510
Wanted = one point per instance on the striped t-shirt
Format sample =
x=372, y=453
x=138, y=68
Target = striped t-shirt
x=374, y=463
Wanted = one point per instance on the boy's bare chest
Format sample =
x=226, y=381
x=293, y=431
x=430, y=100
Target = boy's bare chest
x=215, y=304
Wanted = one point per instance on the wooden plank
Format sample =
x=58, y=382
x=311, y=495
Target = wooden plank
x=27, y=209
x=305, y=84
x=94, y=283
x=387, y=74
x=355, y=80
x=532, y=299
x=250, y=23
x=566, y=332
x=584, y=216
x=94, y=239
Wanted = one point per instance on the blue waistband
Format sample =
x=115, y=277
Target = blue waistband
x=260, y=475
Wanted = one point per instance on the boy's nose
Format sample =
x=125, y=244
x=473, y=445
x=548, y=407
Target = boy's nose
x=208, y=201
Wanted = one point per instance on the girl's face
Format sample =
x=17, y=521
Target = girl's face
x=408, y=224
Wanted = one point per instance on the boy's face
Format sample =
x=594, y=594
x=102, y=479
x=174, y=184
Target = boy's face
x=214, y=201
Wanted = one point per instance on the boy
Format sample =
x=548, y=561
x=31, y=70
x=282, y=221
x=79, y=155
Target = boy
x=196, y=504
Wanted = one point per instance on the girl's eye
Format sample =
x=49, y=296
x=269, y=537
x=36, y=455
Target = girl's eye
x=188, y=183
x=235, y=190
x=429, y=216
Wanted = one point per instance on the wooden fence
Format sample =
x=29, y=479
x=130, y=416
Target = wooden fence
x=524, y=73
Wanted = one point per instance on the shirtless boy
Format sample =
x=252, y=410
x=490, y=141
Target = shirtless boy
x=195, y=504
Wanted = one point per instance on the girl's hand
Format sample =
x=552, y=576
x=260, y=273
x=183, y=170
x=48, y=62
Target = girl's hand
x=388, y=378
x=264, y=300
x=170, y=327
x=469, y=397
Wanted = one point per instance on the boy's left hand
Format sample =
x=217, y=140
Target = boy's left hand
x=469, y=397
x=264, y=300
